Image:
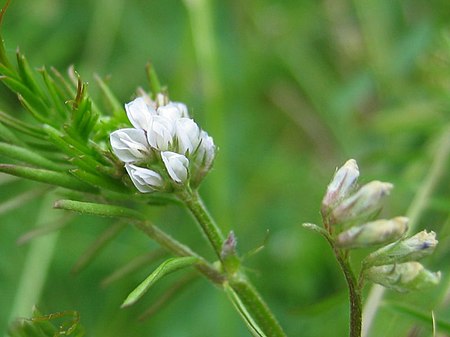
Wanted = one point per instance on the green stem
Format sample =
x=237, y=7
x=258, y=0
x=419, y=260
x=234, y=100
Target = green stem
x=354, y=293
x=257, y=307
x=248, y=295
x=208, y=226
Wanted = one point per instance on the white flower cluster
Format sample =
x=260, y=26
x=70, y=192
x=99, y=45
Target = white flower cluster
x=165, y=142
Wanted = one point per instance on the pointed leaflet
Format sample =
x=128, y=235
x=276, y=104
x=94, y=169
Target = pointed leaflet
x=48, y=177
x=167, y=267
x=28, y=156
x=99, y=209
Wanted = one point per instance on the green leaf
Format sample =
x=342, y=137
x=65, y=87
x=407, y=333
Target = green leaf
x=26, y=75
x=242, y=310
x=168, y=295
x=91, y=160
x=28, y=156
x=420, y=316
x=167, y=267
x=9, y=136
x=21, y=126
x=103, y=182
x=57, y=96
x=99, y=209
x=48, y=177
x=15, y=85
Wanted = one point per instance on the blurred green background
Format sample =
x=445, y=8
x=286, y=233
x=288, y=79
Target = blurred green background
x=289, y=90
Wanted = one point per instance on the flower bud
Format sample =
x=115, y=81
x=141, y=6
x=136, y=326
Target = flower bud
x=403, y=277
x=203, y=158
x=362, y=204
x=130, y=145
x=177, y=166
x=411, y=249
x=188, y=135
x=373, y=233
x=144, y=179
x=228, y=254
x=343, y=182
x=160, y=133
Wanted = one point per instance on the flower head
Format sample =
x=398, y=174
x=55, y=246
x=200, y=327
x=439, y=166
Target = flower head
x=164, y=142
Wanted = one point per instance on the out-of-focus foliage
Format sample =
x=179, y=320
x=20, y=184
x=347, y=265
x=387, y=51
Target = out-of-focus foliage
x=289, y=90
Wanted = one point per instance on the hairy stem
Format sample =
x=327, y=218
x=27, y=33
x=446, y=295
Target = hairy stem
x=208, y=226
x=257, y=308
x=354, y=293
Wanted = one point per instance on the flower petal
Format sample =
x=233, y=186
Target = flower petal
x=130, y=145
x=139, y=113
x=176, y=165
x=161, y=132
x=188, y=135
x=173, y=111
x=144, y=179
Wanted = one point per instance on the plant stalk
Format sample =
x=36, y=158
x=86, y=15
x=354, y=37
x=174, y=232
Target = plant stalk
x=254, y=304
x=208, y=226
x=354, y=290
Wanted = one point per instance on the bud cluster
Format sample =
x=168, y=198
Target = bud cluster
x=165, y=147
x=348, y=214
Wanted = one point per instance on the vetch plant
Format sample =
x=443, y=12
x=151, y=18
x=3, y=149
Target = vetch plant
x=113, y=162
x=348, y=214
x=116, y=160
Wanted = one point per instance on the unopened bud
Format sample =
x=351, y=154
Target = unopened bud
x=403, y=277
x=411, y=249
x=361, y=205
x=373, y=233
x=229, y=255
x=343, y=182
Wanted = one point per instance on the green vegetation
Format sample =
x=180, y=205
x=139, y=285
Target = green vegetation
x=289, y=90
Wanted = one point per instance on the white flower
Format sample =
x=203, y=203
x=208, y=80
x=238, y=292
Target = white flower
x=206, y=150
x=160, y=133
x=173, y=111
x=343, y=183
x=176, y=165
x=139, y=113
x=130, y=145
x=188, y=135
x=144, y=179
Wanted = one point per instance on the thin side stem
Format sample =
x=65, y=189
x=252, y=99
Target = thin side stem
x=177, y=248
x=354, y=285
